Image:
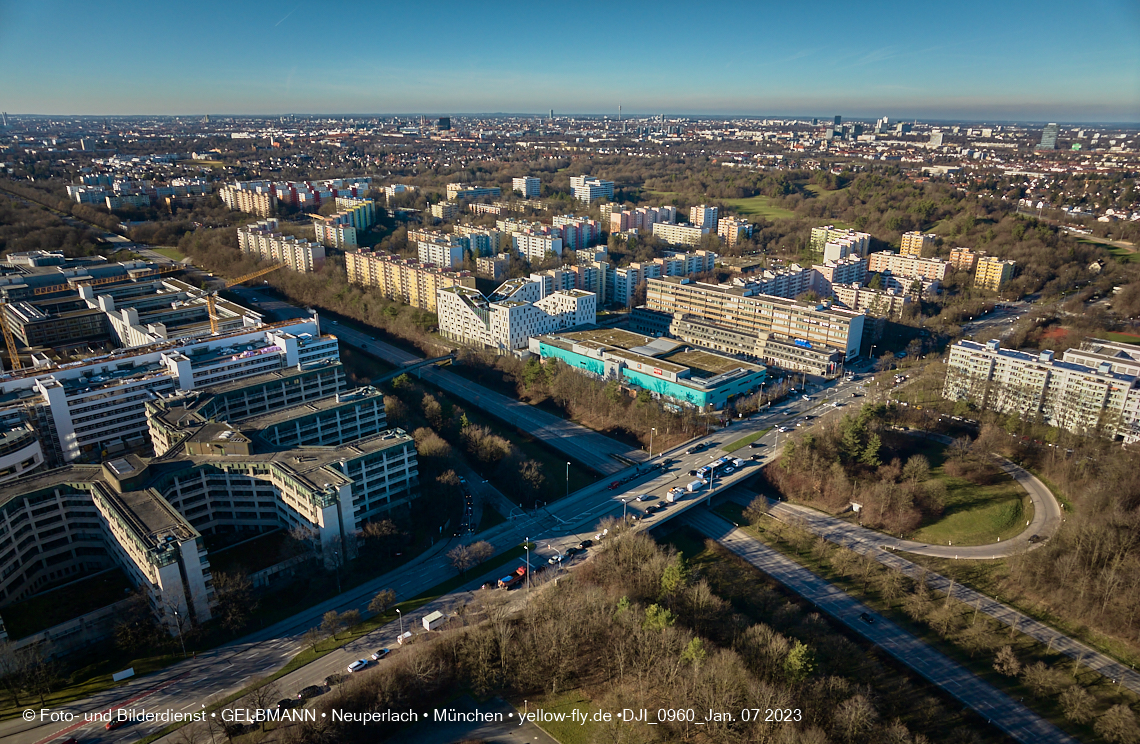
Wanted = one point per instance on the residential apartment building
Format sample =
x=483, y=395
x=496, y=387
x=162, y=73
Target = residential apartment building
x=456, y=191
x=642, y=219
x=331, y=232
x=835, y=243
x=447, y=255
x=512, y=315
x=1040, y=388
x=746, y=309
x=1122, y=358
x=880, y=303
x=732, y=230
x=992, y=273
x=588, y=189
x=447, y=211
x=408, y=281
x=703, y=216
x=679, y=234
x=493, y=267
x=578, y=232
x=536, y=247
x=261, y=197
x=827, y=275
x=262, y=239
x=964, y=259
x=481, y=241
x=917, y=244
x=908, y=266
x=528, y=186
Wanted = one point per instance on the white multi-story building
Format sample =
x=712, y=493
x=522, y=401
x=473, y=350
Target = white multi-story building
x=528, y=186
x=88, y=409
x=845, y=271
x=836, y=243
x=588, y=189
x=641, y=219
x=535, y=247
x=1037, y=387
x=732, y=229
x=506, y=321
x=703, y=216
x=679, y=234
x=908, y=266
x=448, y=255
x=262, y=239
x=466, y=191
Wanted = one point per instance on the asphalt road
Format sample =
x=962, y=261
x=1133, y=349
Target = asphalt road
x=996, y=707
x=594, y=450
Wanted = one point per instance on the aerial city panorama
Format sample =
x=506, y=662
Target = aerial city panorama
x=607, y=374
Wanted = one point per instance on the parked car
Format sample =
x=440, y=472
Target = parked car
x=381, y=654
x=311, y=691
x=358, y=665
x=284, y=704
x=867, y=618
x=489, y=585
x=585, y=544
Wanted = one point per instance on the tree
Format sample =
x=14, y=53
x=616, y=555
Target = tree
x=674, y=576
x=917, y=469
x=870, y=454
x=1077, y=704
x=1118, y=725
x=14, y=669
x=263, y=695
x=799, y=663
x=1042, y=680
x=350, y=618
x=42, y=677
x=694, y=653
x=1006, y=662
x=461, y=558
x=233, y=593
x=658, y=618
x=382, y=601
x=331, y=623
x=312, y=637
x=382, y=534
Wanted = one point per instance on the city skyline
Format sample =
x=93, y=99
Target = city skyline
x=972, y=62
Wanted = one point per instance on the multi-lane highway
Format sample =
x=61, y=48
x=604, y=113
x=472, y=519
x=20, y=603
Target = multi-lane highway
x=996, y=707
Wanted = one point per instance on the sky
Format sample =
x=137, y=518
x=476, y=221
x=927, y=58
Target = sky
x=968, y=60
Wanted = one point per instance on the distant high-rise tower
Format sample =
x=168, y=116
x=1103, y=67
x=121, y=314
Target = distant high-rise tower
x=552, y=114
x=5, y=117
x=838, y=120
x=206, y=119
x=1048, y=138
x=444, y=124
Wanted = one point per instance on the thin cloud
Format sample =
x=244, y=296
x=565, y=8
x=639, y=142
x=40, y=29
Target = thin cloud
x=291, y=12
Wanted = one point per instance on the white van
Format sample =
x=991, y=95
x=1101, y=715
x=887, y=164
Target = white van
x=695, y=486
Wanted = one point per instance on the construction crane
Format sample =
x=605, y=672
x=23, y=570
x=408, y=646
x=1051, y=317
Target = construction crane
x=9, y=341
x=210, y=303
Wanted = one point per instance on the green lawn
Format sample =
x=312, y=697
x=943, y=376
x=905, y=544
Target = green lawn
x=821, y=191
x=1122, y=255
x=974, y=515
x=568, y=731
x=1123, y=338
x=745, y=441
x=172, y=253
x=760, y=206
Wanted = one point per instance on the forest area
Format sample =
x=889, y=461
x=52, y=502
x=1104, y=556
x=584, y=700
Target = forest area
x=639, y=626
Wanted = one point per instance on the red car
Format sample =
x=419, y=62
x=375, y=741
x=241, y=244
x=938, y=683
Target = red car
x=114, y=723
x=614, y=485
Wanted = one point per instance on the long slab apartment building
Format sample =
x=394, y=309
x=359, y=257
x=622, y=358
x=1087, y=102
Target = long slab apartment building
x=808, y=336
x=289, y=448
x=1093, y=390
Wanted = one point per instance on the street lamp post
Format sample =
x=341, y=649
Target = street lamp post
x=401, y=616
x=526, y=547
x=567, y=479
x=336, y=565
x=651, y=433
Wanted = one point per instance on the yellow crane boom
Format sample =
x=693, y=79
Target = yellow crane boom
x=9, y=341
x=210, y=303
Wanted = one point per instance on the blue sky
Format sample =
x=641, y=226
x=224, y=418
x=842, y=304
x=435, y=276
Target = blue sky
x=995, y=60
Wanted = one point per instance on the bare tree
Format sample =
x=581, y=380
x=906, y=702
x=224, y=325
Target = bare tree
x=312, y=637
x=384, y=599
x=235, y=602
x=331, y=623
x=1006, y=662
x=1077, y=704
x=350, y=618
x=263, y=695
x=1118, y=725
x=14, y=670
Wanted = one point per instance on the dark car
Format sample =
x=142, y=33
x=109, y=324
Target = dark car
x=1035, y=538
x=585, y=544
x=692, y=472
x=666, y=462
x=309, y=692
x=757, y=457
x=489, y=585
x=571, y=552
x=285, y=704
x=614, y=485
x=867, y=618
x=755, y=445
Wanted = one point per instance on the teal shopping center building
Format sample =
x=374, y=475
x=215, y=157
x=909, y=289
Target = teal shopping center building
x=669, y=369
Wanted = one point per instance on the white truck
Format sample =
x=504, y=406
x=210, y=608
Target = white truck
x=674, y=495
x=434, y=620
x=695, y=486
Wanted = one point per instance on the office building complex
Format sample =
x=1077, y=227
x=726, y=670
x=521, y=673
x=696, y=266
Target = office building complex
x=679, y=234
x=732, y=230
x=670, y=370
x=1067, y=393
x=588, y=189
x=408, y=281
x=514, y=313
x=1048, y=138
x=703, y=216
x=917, y=244
x=465, y=191
x=746, y=310
x=528, y=186
x=261, y=239
x=84, y=411
x=992, y=273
